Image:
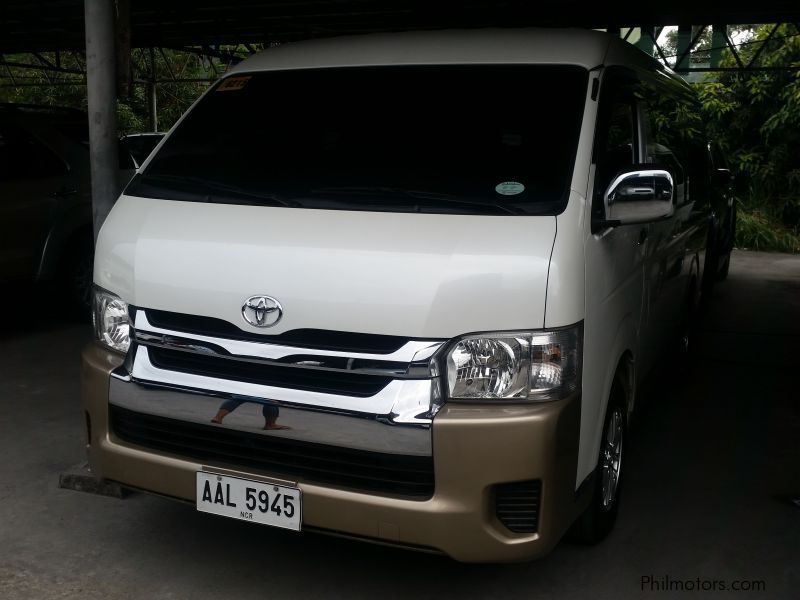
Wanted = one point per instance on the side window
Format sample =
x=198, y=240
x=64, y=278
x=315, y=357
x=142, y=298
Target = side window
x=616, y=146
x=671, y=128
x=22, y=156
x=619, y=151
x=661, y=145
x=699, y=173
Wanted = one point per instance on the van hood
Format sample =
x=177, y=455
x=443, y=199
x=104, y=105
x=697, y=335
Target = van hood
x=412, y=275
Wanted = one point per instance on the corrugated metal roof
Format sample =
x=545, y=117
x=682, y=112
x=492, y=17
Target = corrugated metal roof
x=39, y=25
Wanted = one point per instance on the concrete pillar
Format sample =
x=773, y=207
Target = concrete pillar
x=718, y=43
x=124, y=81
x=101, y=92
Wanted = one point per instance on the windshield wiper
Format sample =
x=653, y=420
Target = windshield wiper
x=210, y=188
x=418, y=194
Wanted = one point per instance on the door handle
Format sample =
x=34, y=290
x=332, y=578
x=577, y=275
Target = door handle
x=64, y=192
x=642, y=236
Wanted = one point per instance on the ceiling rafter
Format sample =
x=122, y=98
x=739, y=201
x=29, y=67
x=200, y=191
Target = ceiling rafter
x=47, y=25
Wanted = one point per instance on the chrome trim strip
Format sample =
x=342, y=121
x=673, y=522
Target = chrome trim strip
x=305, y=424
x=410, y=352
x=320, y=363
x=402, y=401
x=121, y=374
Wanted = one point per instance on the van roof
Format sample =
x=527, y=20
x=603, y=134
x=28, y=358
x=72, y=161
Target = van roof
x=470, y=46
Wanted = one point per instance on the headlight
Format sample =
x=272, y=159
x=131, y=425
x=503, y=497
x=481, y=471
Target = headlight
x=535, y=365
x=110, y=318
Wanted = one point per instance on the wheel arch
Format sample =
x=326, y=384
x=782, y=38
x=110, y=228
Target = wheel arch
x=72, y=229
x=620, y=367
x=694, y=283
x=625, y=375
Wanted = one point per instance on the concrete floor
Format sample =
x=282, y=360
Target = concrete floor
x=711, y=472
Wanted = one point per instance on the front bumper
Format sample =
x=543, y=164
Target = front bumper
x=475, y=447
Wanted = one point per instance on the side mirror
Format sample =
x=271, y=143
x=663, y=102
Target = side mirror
x=639, y=196
x=724, y=178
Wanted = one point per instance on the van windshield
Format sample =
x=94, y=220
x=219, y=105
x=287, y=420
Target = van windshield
x=476, y=139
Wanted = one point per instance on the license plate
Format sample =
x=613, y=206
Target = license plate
x=247, y=500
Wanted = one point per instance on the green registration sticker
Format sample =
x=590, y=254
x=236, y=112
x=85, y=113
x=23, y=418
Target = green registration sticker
x=509, y=188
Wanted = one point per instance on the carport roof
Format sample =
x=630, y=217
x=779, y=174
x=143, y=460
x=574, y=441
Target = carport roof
x=40, y=25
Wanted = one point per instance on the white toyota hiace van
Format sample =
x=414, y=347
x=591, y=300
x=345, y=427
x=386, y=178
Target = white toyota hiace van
x=402, y=288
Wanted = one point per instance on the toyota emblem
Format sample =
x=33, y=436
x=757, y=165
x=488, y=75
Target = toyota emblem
x=262, y=311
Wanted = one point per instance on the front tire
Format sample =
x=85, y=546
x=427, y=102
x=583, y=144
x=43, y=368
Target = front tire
x=712, y=262
x=599, y=518
x=722, y=272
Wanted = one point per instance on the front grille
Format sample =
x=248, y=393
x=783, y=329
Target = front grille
x=318, y=339
x=315, y=463
x=517, y=505
x=312, y=380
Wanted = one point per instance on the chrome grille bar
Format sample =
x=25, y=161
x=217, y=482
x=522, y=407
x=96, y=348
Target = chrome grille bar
x=402, y=401
x=366, y=401
x=409, y=361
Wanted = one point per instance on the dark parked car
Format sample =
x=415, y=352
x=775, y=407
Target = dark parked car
x=45, y=198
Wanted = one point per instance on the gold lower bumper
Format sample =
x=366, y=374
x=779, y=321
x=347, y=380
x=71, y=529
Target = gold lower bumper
x=474, y=448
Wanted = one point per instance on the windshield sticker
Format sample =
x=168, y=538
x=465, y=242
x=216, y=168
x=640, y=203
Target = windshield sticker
x=233, y=84
x=509, y=188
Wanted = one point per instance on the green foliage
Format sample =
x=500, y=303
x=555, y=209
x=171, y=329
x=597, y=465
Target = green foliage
x=183, y=77
x=754, y=118
x=33, y=86
x=702, y=50
x=756, y=230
